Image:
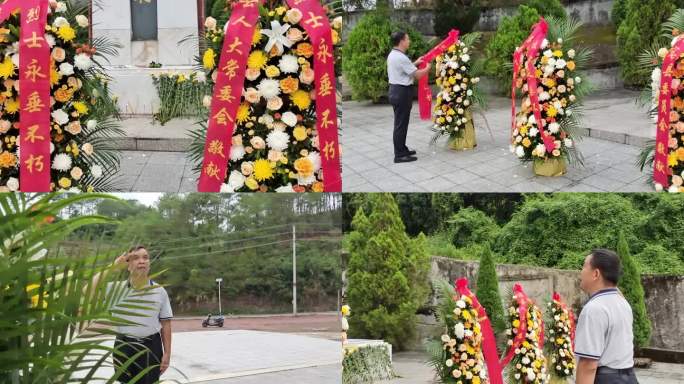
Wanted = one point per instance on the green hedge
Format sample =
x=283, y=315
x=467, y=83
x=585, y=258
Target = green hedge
x=364, y=55
x=366, y=364
x=637, y=32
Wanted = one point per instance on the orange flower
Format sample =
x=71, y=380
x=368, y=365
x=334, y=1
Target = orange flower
x=678, y=103
x=7, y=160
x=304, y=167
x=305, y=49
x=289, y=84
x=317, y=187
x=63, y=94
x=571, y=65
x=680, y=153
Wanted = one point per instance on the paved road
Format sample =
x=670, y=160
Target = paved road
x=609, y=163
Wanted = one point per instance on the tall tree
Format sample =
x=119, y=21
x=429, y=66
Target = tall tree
x=630, y=285
x=387, y=274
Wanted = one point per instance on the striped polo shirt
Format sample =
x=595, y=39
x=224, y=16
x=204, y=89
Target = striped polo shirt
x=604, y=330
x=157, y=305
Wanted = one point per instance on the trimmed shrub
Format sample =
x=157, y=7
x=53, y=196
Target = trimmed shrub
x=637, y=32
x=364, y=55
x=488, y=291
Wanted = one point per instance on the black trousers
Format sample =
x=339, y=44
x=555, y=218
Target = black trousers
x=606, y=375
x=401, y=98
x=130, y=346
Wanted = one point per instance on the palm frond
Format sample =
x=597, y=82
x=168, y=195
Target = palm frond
x=675, y=22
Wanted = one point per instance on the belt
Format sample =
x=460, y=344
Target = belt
x=401, y=85
x=136, y=339
x=612, y=371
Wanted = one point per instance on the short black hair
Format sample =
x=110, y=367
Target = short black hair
x=136, y=248
x=608, y=262
x=397, y=37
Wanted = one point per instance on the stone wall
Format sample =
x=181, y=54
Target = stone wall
x=664, y=295
x=590, y=12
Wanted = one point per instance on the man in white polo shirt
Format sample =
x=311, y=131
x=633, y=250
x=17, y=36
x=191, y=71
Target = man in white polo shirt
x=401, y=72
x=604, y=339
x=152, y=330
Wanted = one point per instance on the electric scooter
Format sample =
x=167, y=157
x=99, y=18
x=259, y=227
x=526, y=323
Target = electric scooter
x=215, y=320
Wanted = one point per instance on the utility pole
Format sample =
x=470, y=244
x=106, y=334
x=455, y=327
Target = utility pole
x=294, y=270
x=219, y=280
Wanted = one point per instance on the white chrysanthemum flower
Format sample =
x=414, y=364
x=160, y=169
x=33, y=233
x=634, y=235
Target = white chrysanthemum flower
x=61, y=7
x=285, y=189
x=288, y=64
x=465, y=58
x=554, y=127
x=545, y=43
x=673, y=189
x=12, y=184
x=60, y=21
x=289, y=118
x=60, y=116
x=82, y=21
x=449, y=363
x=237, y=152
x=62, y=162
x=308, y=180
x=66, y=69
x=278, y=140
x=520, y=151
x=226, y=188
x=315, y=159
x=269, y=88
x=83, y=62
x=236, y=180
x=445, y=338
x=560, y=64
x=533, y=132
x=50, y=39
x=96, y=171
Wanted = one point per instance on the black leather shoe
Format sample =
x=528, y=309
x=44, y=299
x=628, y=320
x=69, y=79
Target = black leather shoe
x=405, y=159
x=410, y=152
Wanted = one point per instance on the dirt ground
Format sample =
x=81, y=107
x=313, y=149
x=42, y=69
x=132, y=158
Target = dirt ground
x=322, y=324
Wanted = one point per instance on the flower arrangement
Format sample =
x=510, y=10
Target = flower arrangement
x=346, y=312
x=82, y=111
x=525, y=335
x=275, y=145
x=557, y=99
x=560, y=339
x=452, y=113
x=667, y=153
x=457, y=356
x=181, y=94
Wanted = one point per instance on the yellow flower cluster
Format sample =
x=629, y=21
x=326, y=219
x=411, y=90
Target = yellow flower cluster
x=457, y=86
x=557, y=78
x=559, y=341
x=275, y=146
x=463, y=344
x=529, y=363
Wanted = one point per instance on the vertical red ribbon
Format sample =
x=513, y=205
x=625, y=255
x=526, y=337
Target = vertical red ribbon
x=491, y=356
x=571, y=318
x=529, y=50
x=424, y=91
x=522, y=300
x=661, y=168
x=231, y=73
x=34, y=98
x=317, y=26
x=227, y=94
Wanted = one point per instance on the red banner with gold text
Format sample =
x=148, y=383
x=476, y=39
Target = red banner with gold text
x=424, y=91
x=34, y=99
x=661, y=168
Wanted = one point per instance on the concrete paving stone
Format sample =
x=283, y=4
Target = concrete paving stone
x=437, y=184
x=461, y=176
x=326, y=374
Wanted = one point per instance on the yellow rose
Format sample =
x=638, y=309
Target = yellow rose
x=299, y=133
x=65, y=182
x=252, y=184
x=272, y=71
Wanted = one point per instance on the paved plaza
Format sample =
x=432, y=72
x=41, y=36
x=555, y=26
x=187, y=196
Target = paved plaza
x=616, y=128
x=411, y=368
x=242, y=356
